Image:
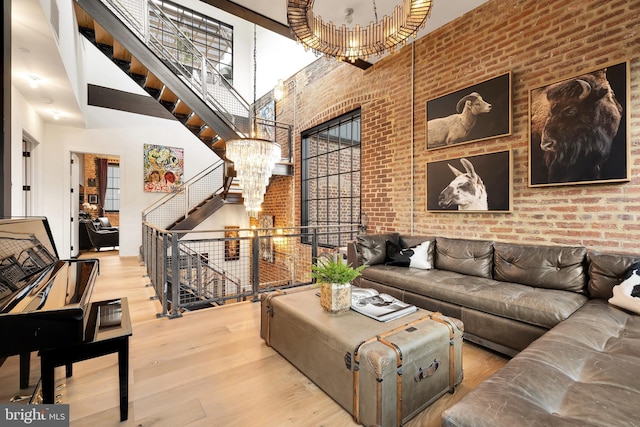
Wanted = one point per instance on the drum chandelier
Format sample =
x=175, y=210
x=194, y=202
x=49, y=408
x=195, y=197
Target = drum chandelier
x=346, y=43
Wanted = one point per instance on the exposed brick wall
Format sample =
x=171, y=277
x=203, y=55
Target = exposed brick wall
x=540, y=42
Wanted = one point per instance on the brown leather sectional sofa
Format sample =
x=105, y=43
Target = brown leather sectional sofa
x=577, y=357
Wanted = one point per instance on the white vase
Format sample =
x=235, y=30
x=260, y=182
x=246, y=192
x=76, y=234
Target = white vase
x=335, y=297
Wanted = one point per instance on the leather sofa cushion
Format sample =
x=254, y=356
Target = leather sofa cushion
x=550, y=267
x=472, y=257
x=535, y=306
x=372, y=247
x=605, y=271
x=580, y=373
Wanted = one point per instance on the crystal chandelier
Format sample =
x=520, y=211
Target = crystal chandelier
x=358, y=42
x=253, y=160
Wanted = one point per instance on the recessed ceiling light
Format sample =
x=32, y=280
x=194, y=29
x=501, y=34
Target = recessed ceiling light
x=56, y=115
x=34, y=80
x=24, y=50
x=47, y=100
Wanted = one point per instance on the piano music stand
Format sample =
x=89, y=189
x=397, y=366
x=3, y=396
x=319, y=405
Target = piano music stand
x=110, y=339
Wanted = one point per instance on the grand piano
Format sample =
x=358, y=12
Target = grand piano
x=46, y=306
x=44, y=301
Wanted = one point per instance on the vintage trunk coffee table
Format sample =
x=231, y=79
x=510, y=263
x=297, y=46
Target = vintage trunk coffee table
x=382, y=373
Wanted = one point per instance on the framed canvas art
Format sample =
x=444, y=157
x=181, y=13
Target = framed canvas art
x=163, y=168
x=480, y=183
x=266, y=241
x=475, y=113
x=231, y=243
x=578, y=129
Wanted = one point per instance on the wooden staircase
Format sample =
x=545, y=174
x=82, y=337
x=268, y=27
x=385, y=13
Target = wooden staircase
x=159, y=75
x=205, y=209
x=153, y=75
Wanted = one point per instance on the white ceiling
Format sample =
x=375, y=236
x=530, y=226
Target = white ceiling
x=35, y=51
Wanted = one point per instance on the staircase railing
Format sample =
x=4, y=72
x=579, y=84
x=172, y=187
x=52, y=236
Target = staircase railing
x=246, y=263
x=158, y=31
x=200, y=281
x=173, y=206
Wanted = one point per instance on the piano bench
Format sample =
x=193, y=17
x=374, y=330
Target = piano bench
x=109, y=339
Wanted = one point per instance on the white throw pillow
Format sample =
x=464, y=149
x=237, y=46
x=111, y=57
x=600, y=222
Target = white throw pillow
x=420, y=257
x=622, y=292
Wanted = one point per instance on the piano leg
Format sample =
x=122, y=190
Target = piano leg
x=25, y=369
x=123, y=377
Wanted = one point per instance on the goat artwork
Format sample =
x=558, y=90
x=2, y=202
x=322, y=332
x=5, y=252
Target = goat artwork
x=456, y=127
x=466, y=190
x=574, y=123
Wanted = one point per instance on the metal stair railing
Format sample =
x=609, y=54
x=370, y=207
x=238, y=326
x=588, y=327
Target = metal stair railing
x=186, y=61
x=174, y=206
x=200, y=282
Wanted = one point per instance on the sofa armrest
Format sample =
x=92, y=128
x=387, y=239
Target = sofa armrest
x=354, y=258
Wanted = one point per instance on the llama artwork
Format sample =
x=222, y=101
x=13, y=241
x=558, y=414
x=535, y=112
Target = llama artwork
x=466, y=190
x=479, y=183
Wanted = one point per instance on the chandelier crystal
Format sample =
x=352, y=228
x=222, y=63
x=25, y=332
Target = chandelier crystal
x=253, y=160
x=346, y=43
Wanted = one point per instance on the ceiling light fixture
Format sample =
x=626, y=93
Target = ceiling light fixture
x=346, y=43
x=253, y=158
x=34, y=80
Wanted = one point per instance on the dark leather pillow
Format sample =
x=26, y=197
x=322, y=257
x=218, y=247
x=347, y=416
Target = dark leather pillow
x=372, y=247
x=397, y=256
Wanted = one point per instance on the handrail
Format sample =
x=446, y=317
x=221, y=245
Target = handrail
x=215, y=268
x=266, y=259
x=211, y=178
x=193, y=179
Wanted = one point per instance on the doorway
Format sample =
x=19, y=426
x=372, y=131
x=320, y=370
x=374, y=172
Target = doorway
x=96, y=188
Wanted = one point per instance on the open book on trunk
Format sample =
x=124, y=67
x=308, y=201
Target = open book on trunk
x=382, y=307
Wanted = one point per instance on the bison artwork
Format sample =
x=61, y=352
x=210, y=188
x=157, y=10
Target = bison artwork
x=574, y=123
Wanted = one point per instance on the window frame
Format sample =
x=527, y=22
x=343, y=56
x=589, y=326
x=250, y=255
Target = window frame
x=330, y=178
x=107, y=198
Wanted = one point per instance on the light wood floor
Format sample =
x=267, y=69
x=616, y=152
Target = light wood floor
x=208, y=368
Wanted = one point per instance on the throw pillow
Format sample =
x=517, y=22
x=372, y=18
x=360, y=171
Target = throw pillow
x=397, y=256
x=627, y=294
x=416, y=257
x=420, y=257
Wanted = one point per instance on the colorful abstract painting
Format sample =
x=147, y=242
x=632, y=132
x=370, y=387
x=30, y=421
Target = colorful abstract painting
x=163, y=168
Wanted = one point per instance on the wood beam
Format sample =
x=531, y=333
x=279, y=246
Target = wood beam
x=251, y=16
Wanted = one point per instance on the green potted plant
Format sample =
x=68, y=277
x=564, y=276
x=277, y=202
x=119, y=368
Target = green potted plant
x=334, y=276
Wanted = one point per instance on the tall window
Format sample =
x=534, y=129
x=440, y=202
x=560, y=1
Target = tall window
x=210, y=36
x=112, y=198
x=330, y=180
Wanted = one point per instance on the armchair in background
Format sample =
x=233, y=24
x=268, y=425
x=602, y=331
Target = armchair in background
x=105, y=224
x=94, y=235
